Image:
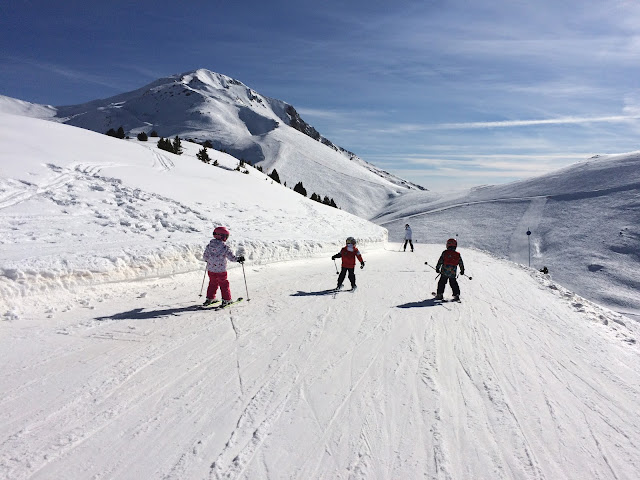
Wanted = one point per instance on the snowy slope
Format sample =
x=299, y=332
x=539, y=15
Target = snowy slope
x=584, y=222
x=80, y=208
x=204, y=105
x=523, y=380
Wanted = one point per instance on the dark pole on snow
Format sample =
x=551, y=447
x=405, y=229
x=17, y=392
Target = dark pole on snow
x=245, y=282
x=529, y=238
x=205, y=276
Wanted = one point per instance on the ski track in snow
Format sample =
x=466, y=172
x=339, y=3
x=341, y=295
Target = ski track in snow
x=380, y=383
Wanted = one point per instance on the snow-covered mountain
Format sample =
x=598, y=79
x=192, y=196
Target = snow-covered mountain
x=584, y=222
x=203, y=105
x=109, y=370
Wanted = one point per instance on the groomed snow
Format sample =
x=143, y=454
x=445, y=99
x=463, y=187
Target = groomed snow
x=522, y=380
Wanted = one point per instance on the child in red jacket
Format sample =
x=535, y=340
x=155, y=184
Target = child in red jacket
x=447, y=267
x=349, y=253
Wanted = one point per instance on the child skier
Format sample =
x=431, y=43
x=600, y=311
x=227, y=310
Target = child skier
x=216, y=255
x=348, y=254
x=447, y=267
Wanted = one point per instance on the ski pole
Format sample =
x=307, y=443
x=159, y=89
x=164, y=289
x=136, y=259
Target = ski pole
x=427, y=264
x=470, y=278
x=336, y=265
x=245, y=282
x=204, y=276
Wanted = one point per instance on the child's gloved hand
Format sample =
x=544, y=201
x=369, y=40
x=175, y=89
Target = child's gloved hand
x=461, y=271
x=362, y=265
x=240, y=259
x=437, y=269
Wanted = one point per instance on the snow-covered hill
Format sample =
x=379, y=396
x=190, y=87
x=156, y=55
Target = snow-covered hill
x=111, y=371
x=584, y=222
x=81, y=208
x=203, y=105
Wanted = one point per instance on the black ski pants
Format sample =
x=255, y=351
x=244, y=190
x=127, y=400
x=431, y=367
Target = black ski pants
x=410, y=243
x=352, y=276
x=442, y=283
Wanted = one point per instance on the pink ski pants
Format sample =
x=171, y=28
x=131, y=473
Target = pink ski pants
x=218, y=279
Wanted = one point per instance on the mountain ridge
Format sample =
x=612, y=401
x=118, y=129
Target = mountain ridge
x=202, y=105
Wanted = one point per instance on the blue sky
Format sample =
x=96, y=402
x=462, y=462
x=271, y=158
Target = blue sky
x=446, y=93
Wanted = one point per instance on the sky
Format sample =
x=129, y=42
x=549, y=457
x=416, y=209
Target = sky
x=447, y=94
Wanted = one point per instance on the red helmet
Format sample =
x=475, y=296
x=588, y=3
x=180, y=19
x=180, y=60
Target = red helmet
x=221, y=233
x=452, y=242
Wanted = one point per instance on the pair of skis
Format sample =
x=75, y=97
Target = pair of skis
x=217, y=305
x=443, y=300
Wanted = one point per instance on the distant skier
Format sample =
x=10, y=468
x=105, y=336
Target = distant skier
x=544, y=270
x=349, y=253
x=407, y=237
x=447, y=267
x=216, y=255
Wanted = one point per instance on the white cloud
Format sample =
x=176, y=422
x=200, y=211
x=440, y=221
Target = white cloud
x=407, y=128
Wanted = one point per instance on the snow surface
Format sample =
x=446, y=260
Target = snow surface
x=109, y=370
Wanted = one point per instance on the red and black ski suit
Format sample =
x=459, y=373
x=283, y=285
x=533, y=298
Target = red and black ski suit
x=447, y=267
x=348, y=255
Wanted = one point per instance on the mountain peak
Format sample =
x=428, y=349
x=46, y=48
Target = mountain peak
x=205, y=106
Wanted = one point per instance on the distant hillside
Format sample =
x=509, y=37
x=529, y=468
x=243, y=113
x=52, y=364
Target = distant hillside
x=203, y=105
x=584, y=222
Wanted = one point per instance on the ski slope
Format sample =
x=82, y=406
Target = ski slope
x=522, y=380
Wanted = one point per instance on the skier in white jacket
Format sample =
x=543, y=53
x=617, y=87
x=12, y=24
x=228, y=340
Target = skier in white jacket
x=216, y=255
x=407, y=237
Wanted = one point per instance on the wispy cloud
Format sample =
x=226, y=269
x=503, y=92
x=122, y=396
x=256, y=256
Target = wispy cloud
x=324, y=114
x=509, y=123
x=66, y=72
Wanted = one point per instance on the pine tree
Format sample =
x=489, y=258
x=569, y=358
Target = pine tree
x=300, y=189
x=203, y=156
x=112, y=133
x=165, y=144
x=274, y=176
x=142, y=136
x=120, y=132
x=177, y=146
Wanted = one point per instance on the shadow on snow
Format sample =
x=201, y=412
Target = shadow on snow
x=139, y=314
x=314, y=294
x=431, y=302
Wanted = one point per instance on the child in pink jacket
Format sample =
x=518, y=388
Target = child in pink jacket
x=216, y=255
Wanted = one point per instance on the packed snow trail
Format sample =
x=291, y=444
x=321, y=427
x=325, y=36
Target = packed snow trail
x=522, y=380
